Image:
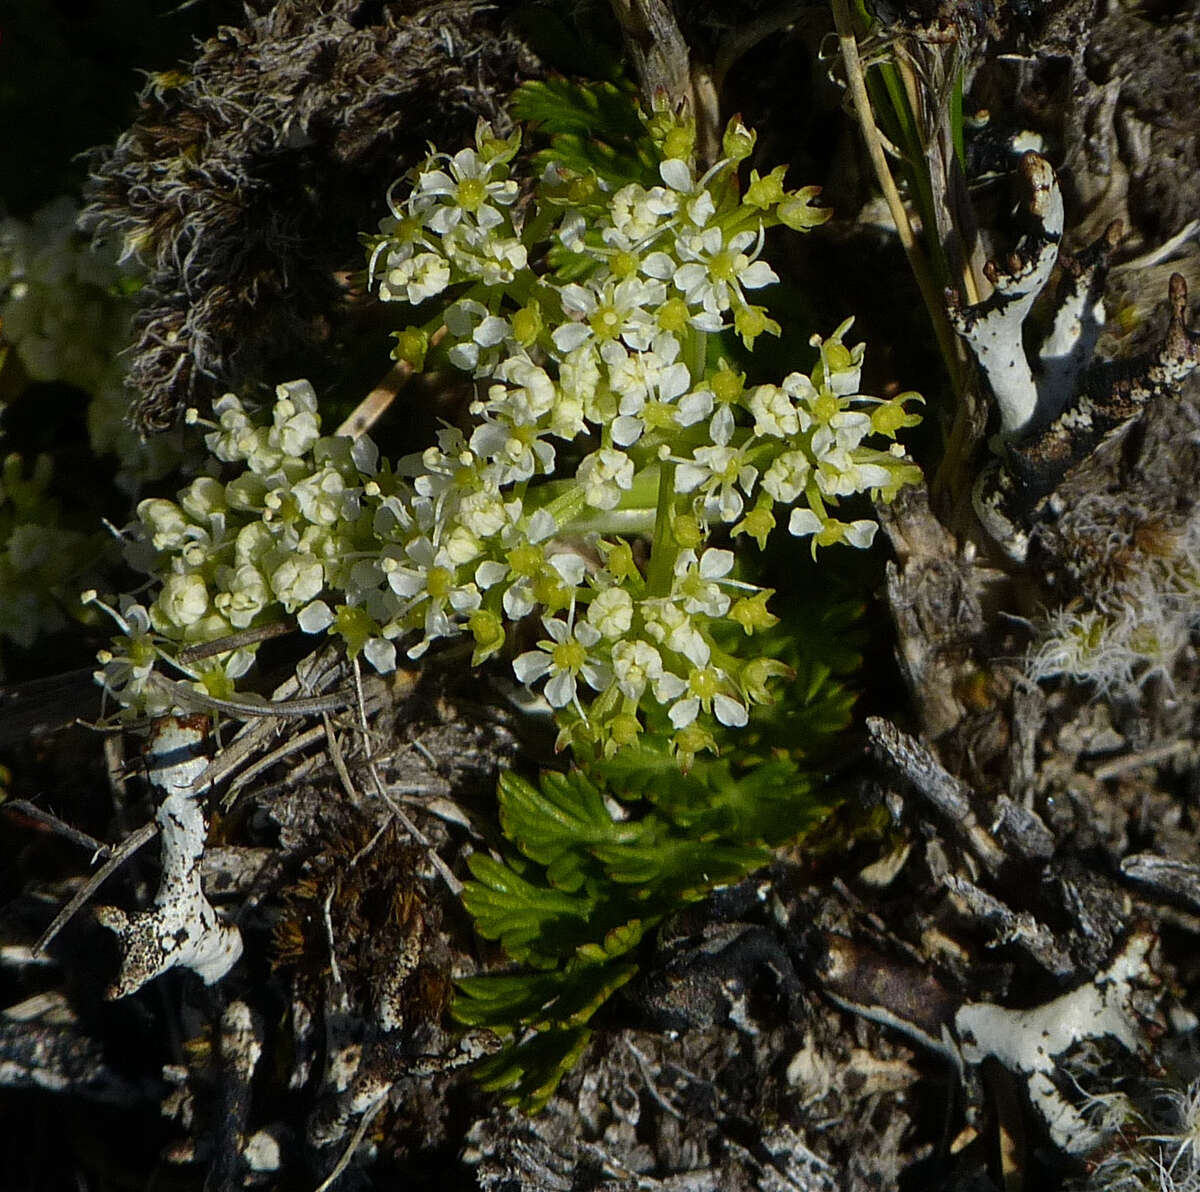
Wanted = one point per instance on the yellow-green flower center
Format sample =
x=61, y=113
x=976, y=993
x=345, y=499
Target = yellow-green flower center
x=673, y=315
x=723, y=266
x=825, y=407
x=837, y=357
x=726, y=385
x=438, y=582
x=606, y=322
x=471, y=194
x=527, y=324
x=623, y=264
x=569, y=656
x=704, y=683
x=525, y=560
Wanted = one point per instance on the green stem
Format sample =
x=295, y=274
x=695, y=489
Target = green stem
x=664, y=549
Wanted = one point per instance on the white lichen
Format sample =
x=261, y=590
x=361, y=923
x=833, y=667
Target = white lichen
x=993, y=328
x=181, y=928
x=1030, y=1042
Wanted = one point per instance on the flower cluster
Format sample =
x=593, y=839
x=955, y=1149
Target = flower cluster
x=64, y=316
x=606, y=413
x=39, y=558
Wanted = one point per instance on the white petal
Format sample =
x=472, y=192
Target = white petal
x=689, y=477
x=669, y=687
x=716, y=563
x=491, y=331
x=676, y=173
x=314, y=617
x=570, y=335
x=861, y=533
x=380, y=654
x=596, y=675
x=674, y=381
x=541, y=526
x=557, y=629
x=560, y=689
x=586, y=634
x=626, y=430
x=729, y=711
x=702, y=208
x=659, y=265
x=517, y=602
x=694, y=407
x=490, y=572
x=707, y=320
x=570, y=567
x=531, y=666
x=721, y=428
x=684, y=712
x=803, y=521
x=758, y=275
x=576, y=300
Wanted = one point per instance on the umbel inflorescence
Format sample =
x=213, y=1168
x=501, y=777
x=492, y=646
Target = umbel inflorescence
x=607, y=410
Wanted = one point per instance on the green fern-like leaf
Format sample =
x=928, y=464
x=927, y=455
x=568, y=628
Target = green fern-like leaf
x=528, y=1072
x=534, y=922
x=593, y=128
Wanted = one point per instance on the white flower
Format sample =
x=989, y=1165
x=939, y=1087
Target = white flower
x=640, y=378
x=636, y=664
x=324, y=499
x=717, y=472
x=636, y=376
x=203, y=499
x=615, y=310
x=637, y=214
x=708, y=688
x=604, y=475
x=469, y=191
x=169, y=528
x=530, y=397
x=564, y=657
x=611, y=612
x=517, y=451
x=297, y=580
x=183, y=600
x=296, y=423
x=843, y=471
x=431, y=578
x=841, y=366
x=671, y=627
x=787, y=476
x=696, y=581
x=843, y=431
x=480, y=335
x=246, y=595
x=578, y=381
x=799, y=385
x=714, y=273
x=774, y=413
x=484, y=512
x=412, y=281
x=859, y=533
x=494, y=260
